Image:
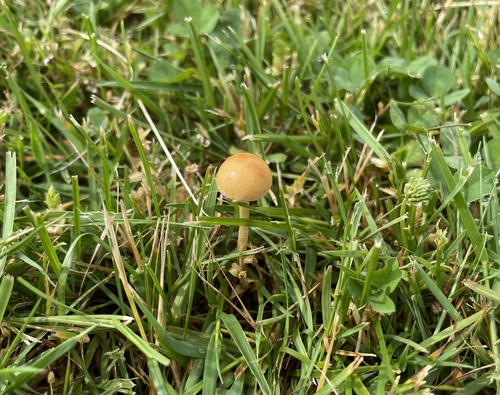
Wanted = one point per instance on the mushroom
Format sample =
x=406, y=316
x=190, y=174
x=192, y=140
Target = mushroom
x=243, y=178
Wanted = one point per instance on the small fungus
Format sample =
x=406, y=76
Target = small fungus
x=243, y=178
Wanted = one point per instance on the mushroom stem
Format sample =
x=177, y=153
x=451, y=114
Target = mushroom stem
x=243, y=233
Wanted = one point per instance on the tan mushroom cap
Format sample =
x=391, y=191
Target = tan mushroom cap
x=244, y=177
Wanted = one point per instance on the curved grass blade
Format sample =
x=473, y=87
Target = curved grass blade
x=148, y=351
x=6, y=287
x=157, y=376
x=238, y=336
x=45, y=359
x=212, y=368
x=10, y=202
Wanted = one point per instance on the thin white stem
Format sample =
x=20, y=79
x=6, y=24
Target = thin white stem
x=243, y=234
x=167, y=151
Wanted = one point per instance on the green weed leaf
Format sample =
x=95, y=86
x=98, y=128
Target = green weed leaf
x=480, y=183
x=388, y=277
x=419, y=65
x=357, y=74
x=355, y=287
x=204, y=18
x=493, y=85
x=438, y=80
x=455, y=96
x=381, y=302
x=97, y=119
x=383, y=283
x=397, y=117
x=163, y=72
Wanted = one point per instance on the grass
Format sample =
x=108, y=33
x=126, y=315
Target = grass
x=374, y=263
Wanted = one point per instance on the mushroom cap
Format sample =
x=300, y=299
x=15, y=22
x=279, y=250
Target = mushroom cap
x=244, y=177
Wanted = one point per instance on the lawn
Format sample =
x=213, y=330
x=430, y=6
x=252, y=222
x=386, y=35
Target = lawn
x=373, y=263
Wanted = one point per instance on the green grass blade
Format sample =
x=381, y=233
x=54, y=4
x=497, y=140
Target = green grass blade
x=10, y=187
x=438, y=294
x=47, y=358
x=6, y=286
x=67, y=265
x=76, y=229
x=241, y=341
x=488, y=293
x=211, y=369
x=145, y=164
x=46, y=297
x=38, y=221
x=252, y=122
x=161, y=386
x=362, y=131
x=461, y=205
x=326, y=295
x=250, y=60
x=202, y=66
x=460, y=325
x=148, y=351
